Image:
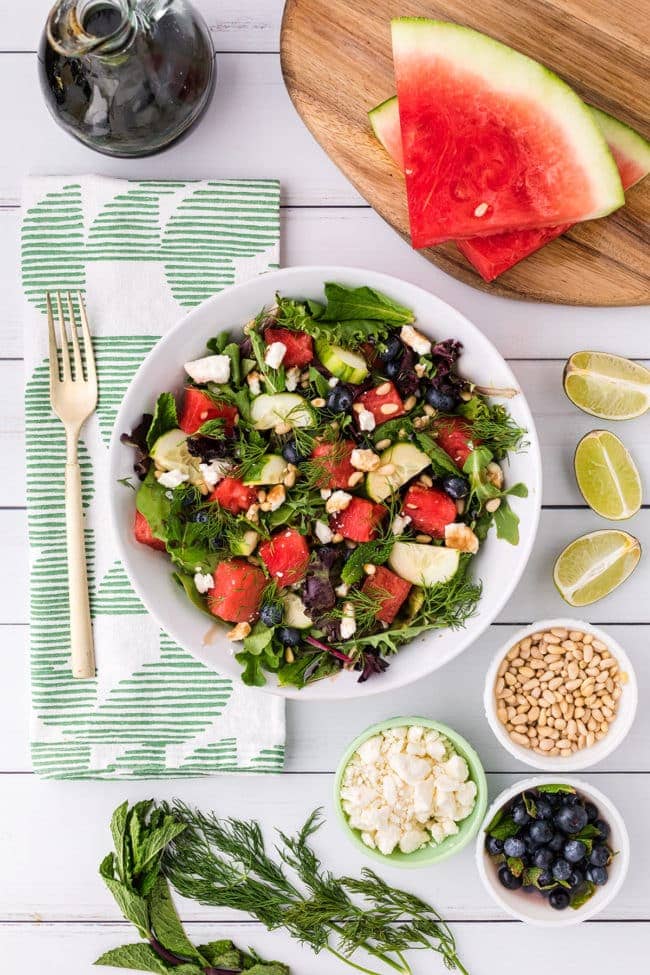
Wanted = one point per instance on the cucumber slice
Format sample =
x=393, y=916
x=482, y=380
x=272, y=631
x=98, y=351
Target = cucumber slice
x=269, y=409
x=345, y=365
x=294, y=612
x=272, y=470
x=407, y=461
x=170, y=451
x=245, y=544
x=423, y=565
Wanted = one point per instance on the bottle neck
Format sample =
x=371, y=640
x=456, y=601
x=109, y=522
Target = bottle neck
x=104, y=28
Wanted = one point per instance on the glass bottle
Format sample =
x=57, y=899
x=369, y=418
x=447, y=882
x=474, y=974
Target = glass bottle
x=126, y=77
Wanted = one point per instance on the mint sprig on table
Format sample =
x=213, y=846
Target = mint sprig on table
x=133, y=875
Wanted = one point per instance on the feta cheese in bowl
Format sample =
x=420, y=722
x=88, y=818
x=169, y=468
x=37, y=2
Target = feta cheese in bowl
x=410, y=791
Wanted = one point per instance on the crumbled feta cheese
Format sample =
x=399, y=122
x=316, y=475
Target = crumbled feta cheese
x=399, y=799
x=203, y=582
x=400, y=524
x=338, y=501
x=416, y=340
x=210, y=369
x=171, y=479
x=274, y=354
x=364, y=460
x=214, y=472
x=292, y=378
x=366, y=420
x=348, y=625
x=461, y=537
x=323, y=532
x=325, y=493
x=254, y=386
x=333, y=381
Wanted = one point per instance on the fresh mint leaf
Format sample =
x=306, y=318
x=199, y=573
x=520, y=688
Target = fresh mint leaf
x=137, y=957
x=496, y=819
x=350, y=304
x=166, y=923
x=441, y=462
x=505, y=828
x=133, y=907
x=165, y=418
x=515, y=866
x=530, y=876
x=529, y=804
x=582, y=894
x=119, y=821
x=376, y=552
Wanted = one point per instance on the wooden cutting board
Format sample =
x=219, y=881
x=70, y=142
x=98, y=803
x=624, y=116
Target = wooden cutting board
x=336, y=61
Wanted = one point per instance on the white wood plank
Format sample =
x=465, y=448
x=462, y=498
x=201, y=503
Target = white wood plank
x=534, y=598
x=235, y=26
x=250, y=100
x=85, y=809
x=356, y=236
x=560, y=426
x=70, y=949
x=319, y=733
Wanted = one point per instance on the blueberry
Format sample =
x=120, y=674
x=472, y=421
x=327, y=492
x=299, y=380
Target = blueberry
x=576, y=877
x=393, y=350
x=602, y=827
x=291, y=453
x=559, y=899
x=561, y=870
x=543, y=857
x=545, y=879
x=592, y=811
x=508, y=879
x=340, y=400
x=597, y=875
x=271, y=614
x=540, y=831
x=544, y=808
x=599, y=856
x=570, y=819
x=494, y=846
x=200, y=516
x=445, y=399
x=289, y=636
x=514, y=846
x=520, y=815
x=392, y=369
x=574, y=851
x=556, y=843
x=456, y=487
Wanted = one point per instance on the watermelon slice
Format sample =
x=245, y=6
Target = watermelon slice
x=497, y=253
x=492, y=141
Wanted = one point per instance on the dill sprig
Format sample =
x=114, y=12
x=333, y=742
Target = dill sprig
x=366, y=606
x=493, y=426
x=225, y=863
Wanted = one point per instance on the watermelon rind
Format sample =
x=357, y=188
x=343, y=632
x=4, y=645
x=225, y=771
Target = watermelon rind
x=626, y=141
x=496, y=65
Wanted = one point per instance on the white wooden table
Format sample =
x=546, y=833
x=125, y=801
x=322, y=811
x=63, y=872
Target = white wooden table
x=55, y=914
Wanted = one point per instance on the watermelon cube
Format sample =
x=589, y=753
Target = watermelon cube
x=237, y=591
x=144, y=535
x=198, y=407
x=429, y=509
x=333, y=459
x=299, y=345
x=454, y=435
x=390, y=591
x=233, y=495
x=384, y=402
x=359, y=520
x=286, y=556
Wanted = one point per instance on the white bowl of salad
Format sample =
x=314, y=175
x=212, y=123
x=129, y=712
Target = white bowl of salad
x=338, y=482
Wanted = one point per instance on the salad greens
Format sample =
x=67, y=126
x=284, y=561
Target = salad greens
x=341, y=436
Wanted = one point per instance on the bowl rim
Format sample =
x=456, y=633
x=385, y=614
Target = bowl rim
x=588, y=757
x=451, y=844
x=354, y=276
x=603, y=896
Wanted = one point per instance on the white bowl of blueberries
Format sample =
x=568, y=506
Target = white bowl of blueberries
x=552, y=852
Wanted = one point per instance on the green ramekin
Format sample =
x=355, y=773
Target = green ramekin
x=468, y=828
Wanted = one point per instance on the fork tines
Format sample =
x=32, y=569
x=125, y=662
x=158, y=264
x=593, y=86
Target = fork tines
x=82, y=354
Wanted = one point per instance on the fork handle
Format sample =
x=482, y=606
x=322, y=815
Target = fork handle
x=81, y=633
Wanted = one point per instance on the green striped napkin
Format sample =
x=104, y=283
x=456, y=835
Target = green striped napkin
x=143, y=253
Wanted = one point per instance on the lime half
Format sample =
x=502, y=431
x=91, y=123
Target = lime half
x=593, y=565
x=607, y=386
x=607, y=476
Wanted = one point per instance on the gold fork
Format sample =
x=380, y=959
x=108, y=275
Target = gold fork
x=74, y=397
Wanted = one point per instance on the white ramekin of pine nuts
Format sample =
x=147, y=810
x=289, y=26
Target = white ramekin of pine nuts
x=560, y=695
